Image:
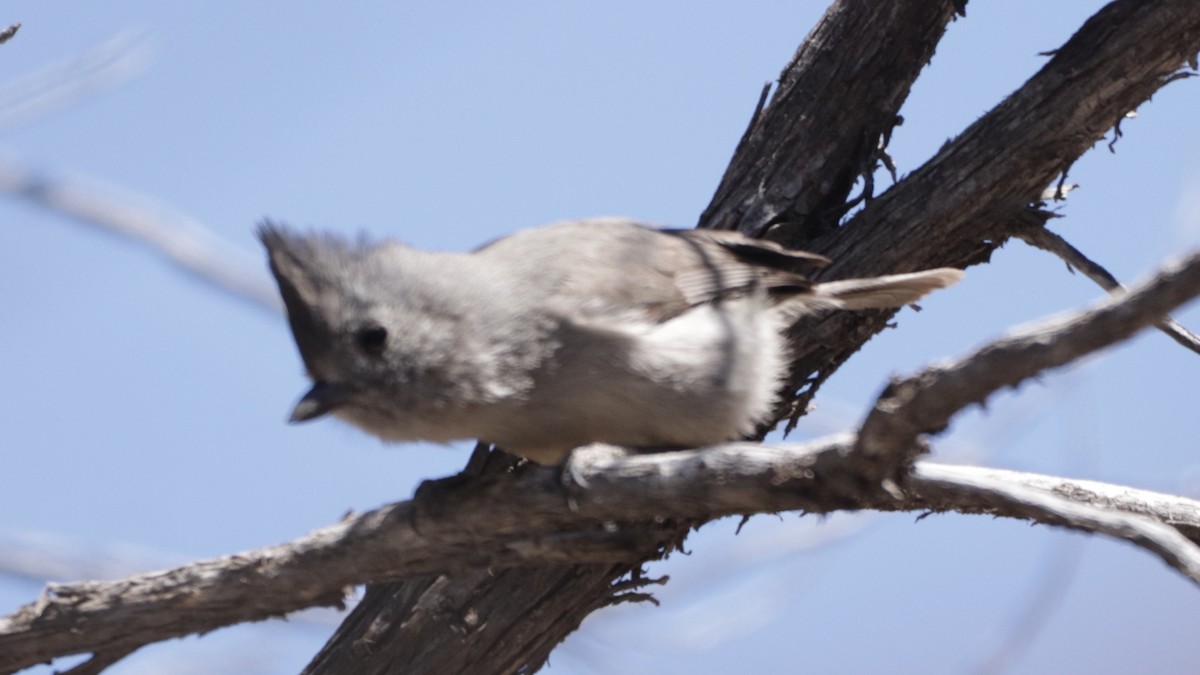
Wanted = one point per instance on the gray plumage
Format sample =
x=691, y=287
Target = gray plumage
x=587, y=331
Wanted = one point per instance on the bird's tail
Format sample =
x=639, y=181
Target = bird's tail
x=886, y=292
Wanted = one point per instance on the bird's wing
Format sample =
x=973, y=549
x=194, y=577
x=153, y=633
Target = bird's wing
x=610, y=269
x=714, y=264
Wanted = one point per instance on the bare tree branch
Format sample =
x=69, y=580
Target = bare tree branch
x=836, y=100
x=99, y=661
x=1017, y=500
x=950, y=212
x=926, y=402
x=61, y=85
x=8, y=33
x=1040, y=237
x=956, y=208
x=523, y=520
x=836, y=104
x=184, y=242
x=1177, y=512
x=795, y=171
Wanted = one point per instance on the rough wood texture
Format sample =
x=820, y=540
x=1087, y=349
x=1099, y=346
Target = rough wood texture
x=918, y=405
x=117, y=617
x=832, y=113
x=838, y=97
x=800, y=155
x=514, y=529
x=958, y=207
x=790, y=179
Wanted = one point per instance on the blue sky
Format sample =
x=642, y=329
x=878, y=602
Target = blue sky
x=143, y=413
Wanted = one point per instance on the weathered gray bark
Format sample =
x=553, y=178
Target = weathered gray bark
x=499, y=600
x=790, y=177
x=840, y=94
x=505, y=528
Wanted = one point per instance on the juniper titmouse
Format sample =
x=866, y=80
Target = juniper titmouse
x=579, y=332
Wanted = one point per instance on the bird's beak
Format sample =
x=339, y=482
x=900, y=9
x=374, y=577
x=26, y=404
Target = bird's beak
x=321, y=399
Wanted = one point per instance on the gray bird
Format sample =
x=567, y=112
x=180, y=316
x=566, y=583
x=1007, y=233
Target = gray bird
x=580, y=332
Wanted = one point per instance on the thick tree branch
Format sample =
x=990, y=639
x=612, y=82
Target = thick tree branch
x=523, y=520
x=1175, y=511
x=796, y=164
x=1022, y=501
x=829, y=121
x=926, y=402
x=1001, y=163
x=535, y=527
x=837, y=101
x=955, y=209
x=792, y=175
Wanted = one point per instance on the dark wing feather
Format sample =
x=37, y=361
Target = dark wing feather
x=721, y=264
x=756, y=251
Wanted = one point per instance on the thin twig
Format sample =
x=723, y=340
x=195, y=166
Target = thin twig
x=1040, y=237
x=8, y=33
x=99, y=662
x=1062, y=562
x=60, y=85
x=183, y=241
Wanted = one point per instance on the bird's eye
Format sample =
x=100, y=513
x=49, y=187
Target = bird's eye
x=372, y=339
